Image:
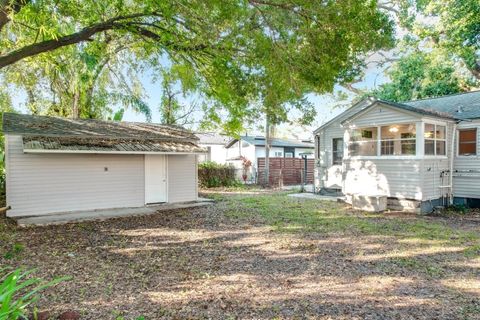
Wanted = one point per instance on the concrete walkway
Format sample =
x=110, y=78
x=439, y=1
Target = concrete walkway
x=104, y=214
x=308, y=187
x=307, y=195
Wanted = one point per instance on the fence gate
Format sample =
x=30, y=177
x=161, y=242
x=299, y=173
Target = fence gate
x=286, y=171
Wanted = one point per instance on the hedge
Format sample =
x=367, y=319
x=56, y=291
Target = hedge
x=212, y=174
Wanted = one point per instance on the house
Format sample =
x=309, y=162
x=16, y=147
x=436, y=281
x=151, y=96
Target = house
x=419, y=153
x=57, y=165
x=214, y=143
x=253, y=147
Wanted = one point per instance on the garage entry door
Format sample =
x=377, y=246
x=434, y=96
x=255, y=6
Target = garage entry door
x=155, y=179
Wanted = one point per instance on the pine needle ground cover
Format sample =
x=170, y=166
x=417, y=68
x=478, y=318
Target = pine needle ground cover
x=263, y=256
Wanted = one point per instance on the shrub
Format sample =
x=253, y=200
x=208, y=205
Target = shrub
x=212, y=174
x=18, y=291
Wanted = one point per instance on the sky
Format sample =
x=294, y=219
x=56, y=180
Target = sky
x=325, y=105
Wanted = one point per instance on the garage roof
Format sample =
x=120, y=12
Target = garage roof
x=54, y=134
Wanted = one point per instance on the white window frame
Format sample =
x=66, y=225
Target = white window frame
x=457, y=153
x=435, y=124
x=379, y=142
x=419, y=138
x=338, y=151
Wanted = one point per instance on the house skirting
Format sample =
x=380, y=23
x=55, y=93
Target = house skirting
x=467, y=202
x=408, y=205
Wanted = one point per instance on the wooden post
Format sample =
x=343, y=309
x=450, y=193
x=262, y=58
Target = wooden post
x=267, y=151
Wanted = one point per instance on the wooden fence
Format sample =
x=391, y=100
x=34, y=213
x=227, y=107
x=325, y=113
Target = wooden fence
x=286, y=171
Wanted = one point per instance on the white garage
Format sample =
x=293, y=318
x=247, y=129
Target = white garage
x=58, y=165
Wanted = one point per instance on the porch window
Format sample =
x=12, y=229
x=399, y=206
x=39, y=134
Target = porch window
x=435, y=139
x=467, y=142
x=398, y=139
x=363, y=142
x=337, y=150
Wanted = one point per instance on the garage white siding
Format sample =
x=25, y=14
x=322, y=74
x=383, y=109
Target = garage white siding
x=182, y=178
x=46, y=183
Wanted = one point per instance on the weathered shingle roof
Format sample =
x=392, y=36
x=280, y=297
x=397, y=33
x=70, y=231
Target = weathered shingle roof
x=41, y=133
x=276, y=142
x=461, y=106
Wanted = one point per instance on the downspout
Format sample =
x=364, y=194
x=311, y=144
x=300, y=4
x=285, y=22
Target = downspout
x=452, y=154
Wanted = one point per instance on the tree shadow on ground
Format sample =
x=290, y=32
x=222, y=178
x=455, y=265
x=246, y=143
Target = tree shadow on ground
x=203, y=263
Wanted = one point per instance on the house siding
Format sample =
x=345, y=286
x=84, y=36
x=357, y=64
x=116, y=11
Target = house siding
x=40, y=184
x=415, y=178
x=380, y=114
x=467, y=184
x=326, y=174
x=392, y=178
x=434, y=186
x=182, y=178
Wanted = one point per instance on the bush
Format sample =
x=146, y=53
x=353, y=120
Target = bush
x=18, y=291
x=212, y=174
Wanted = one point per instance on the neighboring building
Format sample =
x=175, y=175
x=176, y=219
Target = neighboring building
x=425, y=151
x=58, y=165
x=253, y=147
x=215, y=145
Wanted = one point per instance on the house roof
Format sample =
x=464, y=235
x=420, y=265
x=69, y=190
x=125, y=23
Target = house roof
x=42, y=133
x=212, y=138
x=460, y=106
x=276, y=142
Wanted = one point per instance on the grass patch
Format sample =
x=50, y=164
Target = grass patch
x=286, y=214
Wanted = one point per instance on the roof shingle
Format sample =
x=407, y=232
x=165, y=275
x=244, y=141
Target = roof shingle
x=41, y=133
x=461, y=106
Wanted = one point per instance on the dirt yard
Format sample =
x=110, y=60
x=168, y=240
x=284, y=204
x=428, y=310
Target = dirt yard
x=257, y=256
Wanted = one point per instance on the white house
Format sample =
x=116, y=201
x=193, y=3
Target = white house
x=419, y=154
x=214, y=143
x=56, y=165
x=253, y=147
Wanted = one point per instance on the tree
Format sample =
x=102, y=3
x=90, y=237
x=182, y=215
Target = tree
x=237, y=54
x=422, y=75
x=80, y=81
x=171, y=110
x=451, y=25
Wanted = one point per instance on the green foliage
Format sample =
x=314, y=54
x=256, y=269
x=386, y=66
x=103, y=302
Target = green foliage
x=18, y=290
x=456, y=209
x=421, y=75
x=171, y=110
x=84, y=81
x=242, y=58
x=212, y=174
x=449, y=25
x=16, y=249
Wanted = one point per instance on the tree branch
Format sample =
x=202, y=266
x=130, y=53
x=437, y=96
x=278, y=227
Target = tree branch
x=80, y=36
x=8, y=7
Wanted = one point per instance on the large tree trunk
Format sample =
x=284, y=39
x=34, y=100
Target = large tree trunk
x=76, y=104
